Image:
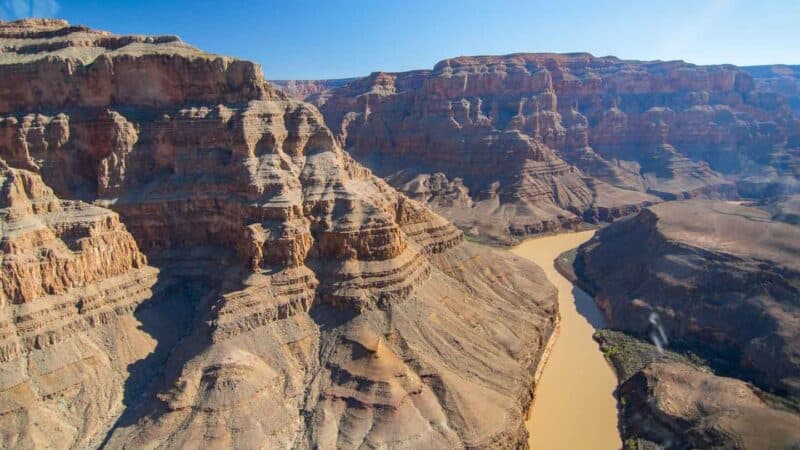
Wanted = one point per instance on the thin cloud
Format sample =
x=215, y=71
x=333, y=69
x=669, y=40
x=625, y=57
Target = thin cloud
x=45, y=8
x=19, y=9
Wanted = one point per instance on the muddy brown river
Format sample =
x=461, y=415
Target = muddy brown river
x=574, y=407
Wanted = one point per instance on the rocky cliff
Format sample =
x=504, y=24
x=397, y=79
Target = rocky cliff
x=298, y=300
x=506, y=146
x=671, y=401
x=719, y=283
x=721, y=279
x=305, y=89
x=784, y=209
x=780, y=79
x=71, y=278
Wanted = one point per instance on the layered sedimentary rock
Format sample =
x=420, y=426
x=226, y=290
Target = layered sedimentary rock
x=669, y=401
x=301, y=302
x=305, y=89
x=71, y=276
x=782, y=178
x=510, y=145
x=780, y=79
x=719, y=278
x=718, y=283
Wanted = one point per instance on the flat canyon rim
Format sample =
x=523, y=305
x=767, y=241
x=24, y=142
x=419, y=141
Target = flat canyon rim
x=574, y=405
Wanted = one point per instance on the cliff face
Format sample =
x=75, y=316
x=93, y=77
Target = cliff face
x=722, y=279
x=706, y=278
x=71, y=277
x=780, y=79
x=306, y=89
x=671, y=402
x=299, y=300
x=510, y=145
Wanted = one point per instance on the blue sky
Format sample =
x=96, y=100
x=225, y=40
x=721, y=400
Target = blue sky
x=334, y=39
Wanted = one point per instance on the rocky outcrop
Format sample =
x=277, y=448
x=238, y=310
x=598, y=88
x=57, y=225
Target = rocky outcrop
x=781, y=177
x=721, y=279
x=50, y=246
x=670, y=402
x=780, y=79
x=681, y=406
x=539, y=142
x=714, y=285
x=71, y=277
x=309, y=89
x=784, y=209
x=301, y=302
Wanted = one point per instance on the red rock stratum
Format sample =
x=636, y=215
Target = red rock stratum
x=506, y=146
x=289, y=298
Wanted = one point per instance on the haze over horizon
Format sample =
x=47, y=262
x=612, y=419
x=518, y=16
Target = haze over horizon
x=324, y=40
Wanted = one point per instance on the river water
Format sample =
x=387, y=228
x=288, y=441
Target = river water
x=574, y=407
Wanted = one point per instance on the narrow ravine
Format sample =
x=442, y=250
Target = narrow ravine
x=574, y=407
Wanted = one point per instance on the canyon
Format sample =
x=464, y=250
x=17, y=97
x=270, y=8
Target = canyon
x=517, y=145
x=514, y=145
x=190, y=259
x=575, y=369
x=671, y=401
x=716, y=281
x=194, y=256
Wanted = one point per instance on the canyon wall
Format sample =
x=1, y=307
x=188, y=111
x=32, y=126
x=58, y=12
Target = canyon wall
x=304, y=89
x=71, y=278
x=779, y=78
x=671, y=401
x=722, y=279
x=506, y=146
x=718, y=284
x=292, y=299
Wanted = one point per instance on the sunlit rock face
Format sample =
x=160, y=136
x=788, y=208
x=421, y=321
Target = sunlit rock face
x=671, y=401
x=305, y=89
x=292, y=299
x=506, y=146
x=71, y=276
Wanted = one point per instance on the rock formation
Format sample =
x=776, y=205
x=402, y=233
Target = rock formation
x=669, y=401
x=780, y=79
x=71, y=277
x=299, y=301
x=784, y=209
x=303, y=89
x=721, y=279
x=511, y=145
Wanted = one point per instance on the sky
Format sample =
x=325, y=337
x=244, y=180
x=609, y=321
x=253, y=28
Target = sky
x=295, y=39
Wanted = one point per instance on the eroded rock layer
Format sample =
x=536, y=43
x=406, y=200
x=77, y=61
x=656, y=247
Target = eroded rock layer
x=71, y=277
x=304, y=89
x=300, y=302
x=671, y=402
x=511, y=145
x=780, y=79
x=721, y=279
